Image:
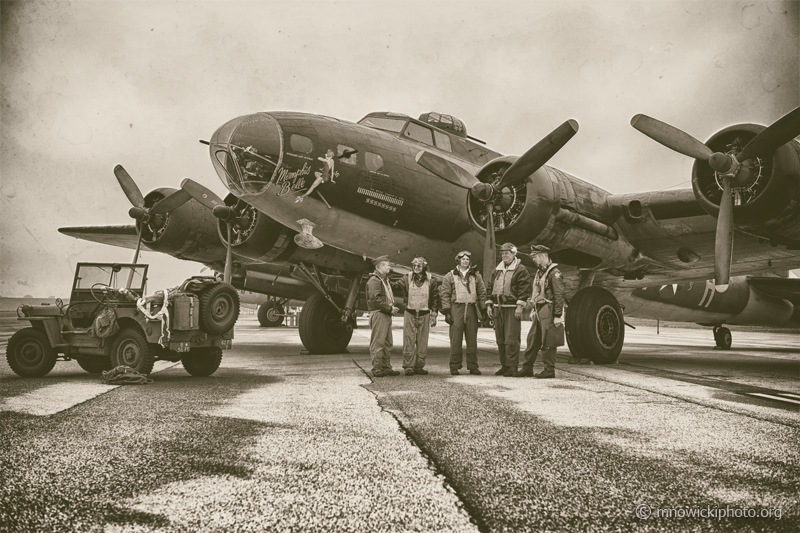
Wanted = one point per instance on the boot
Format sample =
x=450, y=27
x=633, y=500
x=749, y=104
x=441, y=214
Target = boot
x=510, y=371
x=585, y=362
x=475, y=372
x=454, y=372
x=544, y=374
x=421, y=371
x=502, y=371
x=573, y=361
x=524, y=372
x=409, y=371
x=391, y=373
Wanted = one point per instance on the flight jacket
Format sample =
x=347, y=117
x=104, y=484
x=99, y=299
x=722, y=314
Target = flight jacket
x=520, y=285
x=434, y=300
x=377, y=298
x=448, y=289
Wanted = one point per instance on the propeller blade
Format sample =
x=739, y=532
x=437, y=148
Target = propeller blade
x=446, y=170
x=129, y=186
x=171, y=202
x=201, y=194
x=723, y=245
x=538, y=155
x=226, y=276
x=671, y=137
x=489, y=250
x=776, y=135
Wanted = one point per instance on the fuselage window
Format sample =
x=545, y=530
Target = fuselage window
x=394, y=125
x=343, y=150
x=419, y=133
x=301, y=144
x=374, y=162
x=442, y=141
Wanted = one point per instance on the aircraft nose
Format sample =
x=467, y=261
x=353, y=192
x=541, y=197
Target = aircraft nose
x=246, y=153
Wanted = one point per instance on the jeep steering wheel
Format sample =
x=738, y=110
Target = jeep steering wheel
x=105, y=289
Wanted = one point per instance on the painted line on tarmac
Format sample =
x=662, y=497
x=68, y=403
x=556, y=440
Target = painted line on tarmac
x=773, y=397
x=58, y=397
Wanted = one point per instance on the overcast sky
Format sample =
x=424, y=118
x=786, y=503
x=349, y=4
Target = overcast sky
x=88, y=85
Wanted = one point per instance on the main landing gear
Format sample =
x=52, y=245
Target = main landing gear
x=723, y=337
x=327, y=318
x=595, y=327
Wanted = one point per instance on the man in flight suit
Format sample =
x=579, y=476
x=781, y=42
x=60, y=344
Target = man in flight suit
x=510, y=285
x=547, y=298
x=380, y=303
x=463, y=292
x=422, y=306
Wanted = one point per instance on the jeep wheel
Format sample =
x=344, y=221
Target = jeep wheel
x=95, y=365
x=219, y=308
x=202, y=362
x=129, y=348
x=29, y=353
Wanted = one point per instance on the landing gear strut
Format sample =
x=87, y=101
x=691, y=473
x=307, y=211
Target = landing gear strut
x=595, y=326
x=723, y=337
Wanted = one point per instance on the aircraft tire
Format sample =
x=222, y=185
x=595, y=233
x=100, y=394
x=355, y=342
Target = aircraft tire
x=95, y=365
x=321, y=328
x=29, y=353
x=594, y=326
x=129, y=348
x=269, y=314
x=202, y=362
x=219, y=308
x=724, y=338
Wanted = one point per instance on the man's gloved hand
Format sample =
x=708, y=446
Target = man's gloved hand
x=433, y=320
x=558, y=321
x=518, y=312
x=395, y=310
x=448, y=317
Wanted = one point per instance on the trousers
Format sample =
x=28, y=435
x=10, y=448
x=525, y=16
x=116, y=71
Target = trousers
x=415, y=340
x=542, y=318
x=380, y=341
x=465, y=324
x=507, y=332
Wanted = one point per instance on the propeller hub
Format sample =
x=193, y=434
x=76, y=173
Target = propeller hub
x=721, y=162
x=138, y=213
x=222, y=212
x=483, y=191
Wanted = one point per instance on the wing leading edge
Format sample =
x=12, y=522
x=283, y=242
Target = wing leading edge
x=123, y=236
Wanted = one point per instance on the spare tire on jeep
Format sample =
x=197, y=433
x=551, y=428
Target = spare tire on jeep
x=219, y=308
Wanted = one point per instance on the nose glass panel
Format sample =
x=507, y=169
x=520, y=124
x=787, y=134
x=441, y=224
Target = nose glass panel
x=246, y=153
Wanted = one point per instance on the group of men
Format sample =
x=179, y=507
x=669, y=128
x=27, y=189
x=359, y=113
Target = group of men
x=462, y=298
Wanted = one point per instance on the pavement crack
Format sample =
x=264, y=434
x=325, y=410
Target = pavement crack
x=439, y=473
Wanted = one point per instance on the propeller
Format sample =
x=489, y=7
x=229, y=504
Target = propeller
x=152, y=215
x=221, y=211
x=727, y=167
x=490, y=193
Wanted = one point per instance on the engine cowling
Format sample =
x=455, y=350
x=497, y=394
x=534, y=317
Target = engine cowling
x=256, y=236
x=766, y=190
x=523, y=211
x=188, y=232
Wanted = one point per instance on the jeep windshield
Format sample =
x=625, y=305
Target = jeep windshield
x=115, y=276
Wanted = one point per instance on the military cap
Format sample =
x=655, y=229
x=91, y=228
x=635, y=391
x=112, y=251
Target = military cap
x=380, y=259
x=508, y=247
x=539, y=249
x=462, y=253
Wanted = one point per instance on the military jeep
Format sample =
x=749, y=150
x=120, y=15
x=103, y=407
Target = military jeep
x=110, y=322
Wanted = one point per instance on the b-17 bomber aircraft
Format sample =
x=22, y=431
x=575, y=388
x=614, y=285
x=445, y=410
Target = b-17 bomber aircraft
x=313, y=198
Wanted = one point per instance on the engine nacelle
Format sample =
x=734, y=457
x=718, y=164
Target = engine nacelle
x=257, y=236
x=766, y=190
x=189, y=232
x=524, y=209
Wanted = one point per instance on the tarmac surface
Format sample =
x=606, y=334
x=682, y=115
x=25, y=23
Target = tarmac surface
x=670, y=438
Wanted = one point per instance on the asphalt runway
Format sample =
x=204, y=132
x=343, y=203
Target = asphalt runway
x=678, y=436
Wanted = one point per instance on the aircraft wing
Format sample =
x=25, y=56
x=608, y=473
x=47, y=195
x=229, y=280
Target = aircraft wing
x=123, y=236
x=786, y=288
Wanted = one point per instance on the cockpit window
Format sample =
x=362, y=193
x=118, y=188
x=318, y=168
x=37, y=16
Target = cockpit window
x=382, y=123
x=442, y=141
x=419, y=133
